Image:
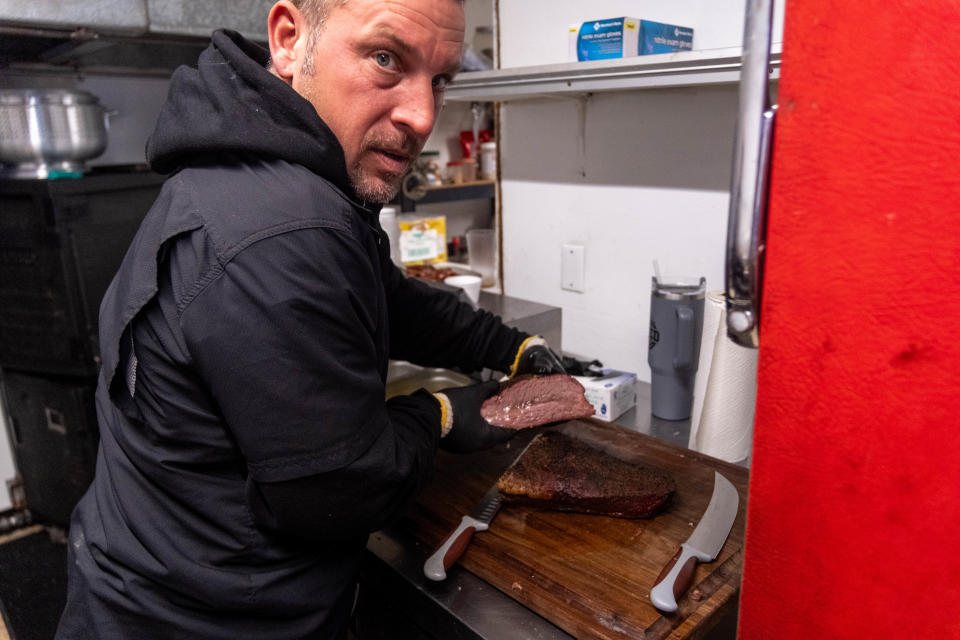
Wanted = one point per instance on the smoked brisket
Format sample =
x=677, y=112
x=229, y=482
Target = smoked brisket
x=565, y=474
x=531, y=401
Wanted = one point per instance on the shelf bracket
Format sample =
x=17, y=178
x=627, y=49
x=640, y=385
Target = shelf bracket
x=582, y=102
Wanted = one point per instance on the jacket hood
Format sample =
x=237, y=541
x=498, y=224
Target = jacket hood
x=231, y=104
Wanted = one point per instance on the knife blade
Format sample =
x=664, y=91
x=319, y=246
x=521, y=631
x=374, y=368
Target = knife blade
x=453, y=546
x=703, y=545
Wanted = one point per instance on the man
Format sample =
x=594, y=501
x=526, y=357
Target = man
x=246, y=447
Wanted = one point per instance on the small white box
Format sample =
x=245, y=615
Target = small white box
x=612, y=394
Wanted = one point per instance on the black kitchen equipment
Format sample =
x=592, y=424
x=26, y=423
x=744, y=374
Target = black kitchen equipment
x=52, y=426
x=61, y=241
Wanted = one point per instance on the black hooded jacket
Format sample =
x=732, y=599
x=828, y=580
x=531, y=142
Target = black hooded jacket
x=246, y=447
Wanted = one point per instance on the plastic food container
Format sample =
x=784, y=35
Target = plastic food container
x=480, y=253
x=462, y=171
x=488, y=160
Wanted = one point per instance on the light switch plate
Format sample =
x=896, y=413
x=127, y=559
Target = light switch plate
x=571, y=267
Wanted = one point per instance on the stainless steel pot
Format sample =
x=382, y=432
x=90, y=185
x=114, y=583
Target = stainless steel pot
x=49, y=133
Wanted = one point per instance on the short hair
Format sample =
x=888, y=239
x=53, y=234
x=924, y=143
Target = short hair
x=315, y=12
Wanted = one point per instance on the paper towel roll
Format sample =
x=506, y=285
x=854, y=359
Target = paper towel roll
x=713, y=318
x=725, y=390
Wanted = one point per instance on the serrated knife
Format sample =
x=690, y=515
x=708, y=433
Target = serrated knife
x=456, y=543
x=703, y=545
x=453, y=546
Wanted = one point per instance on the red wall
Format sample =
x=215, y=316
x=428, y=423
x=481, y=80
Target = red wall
x=853, y=527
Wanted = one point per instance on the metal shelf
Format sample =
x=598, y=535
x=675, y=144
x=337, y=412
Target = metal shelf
x=682, y=69
x=450, y=193
x=467, y=191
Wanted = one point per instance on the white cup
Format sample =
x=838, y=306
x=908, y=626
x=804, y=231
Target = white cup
x=470, y=284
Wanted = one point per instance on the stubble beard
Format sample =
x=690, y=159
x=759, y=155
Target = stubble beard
x=373, y=187
x=379, y=187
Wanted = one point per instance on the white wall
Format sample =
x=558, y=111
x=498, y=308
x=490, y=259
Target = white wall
x=652, y=182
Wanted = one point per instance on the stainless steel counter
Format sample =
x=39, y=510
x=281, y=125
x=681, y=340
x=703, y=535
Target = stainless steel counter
x=639, y=418
x=532, y=317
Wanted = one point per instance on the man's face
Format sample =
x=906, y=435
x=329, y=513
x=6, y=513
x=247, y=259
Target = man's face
x=379, y=70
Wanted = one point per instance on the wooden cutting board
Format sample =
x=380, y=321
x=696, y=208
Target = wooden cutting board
x=590, y=575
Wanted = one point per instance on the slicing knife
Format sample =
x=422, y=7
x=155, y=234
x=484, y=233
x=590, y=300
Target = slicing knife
x=703, y=545
x=453, y=546
x=456, y=543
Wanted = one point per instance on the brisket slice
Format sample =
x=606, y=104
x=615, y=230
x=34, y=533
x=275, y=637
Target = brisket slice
x=564, y=474
x=531, y=401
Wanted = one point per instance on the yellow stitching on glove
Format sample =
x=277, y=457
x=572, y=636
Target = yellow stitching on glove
x=446, y=413
x=532, y=341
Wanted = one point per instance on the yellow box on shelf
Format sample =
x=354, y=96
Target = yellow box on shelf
x=423, y=240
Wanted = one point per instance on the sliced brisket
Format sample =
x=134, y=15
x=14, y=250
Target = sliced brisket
x=562, y=473
x=531, y=401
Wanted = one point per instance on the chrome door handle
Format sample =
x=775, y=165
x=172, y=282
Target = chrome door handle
x=746, y=227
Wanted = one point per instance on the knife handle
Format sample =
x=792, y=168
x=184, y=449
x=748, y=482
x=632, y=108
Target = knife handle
x=452, y=548
x=675, y=578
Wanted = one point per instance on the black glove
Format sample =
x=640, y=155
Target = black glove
x=574, y=367
x=540, y=360
x=470, y=432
